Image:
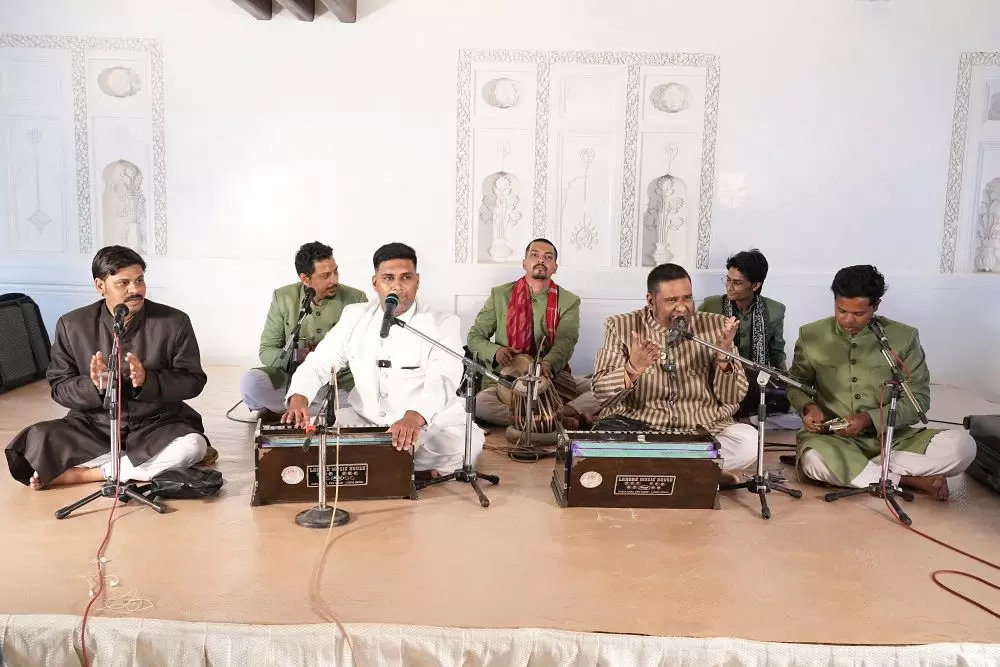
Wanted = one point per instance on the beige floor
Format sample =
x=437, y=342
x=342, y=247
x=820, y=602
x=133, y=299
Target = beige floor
x=816, y=572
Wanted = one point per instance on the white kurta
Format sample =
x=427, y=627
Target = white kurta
x=420, y=377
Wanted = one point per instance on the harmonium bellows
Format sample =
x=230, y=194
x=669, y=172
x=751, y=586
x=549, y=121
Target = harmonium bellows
x=642, y=469
x=369, y=468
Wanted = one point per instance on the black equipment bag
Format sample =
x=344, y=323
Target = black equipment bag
x=24, y=342
x=985, y=430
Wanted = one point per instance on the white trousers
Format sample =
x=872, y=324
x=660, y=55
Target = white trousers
x=440, y=448
x=182, y=452
x=948, y=453
x=738, y=445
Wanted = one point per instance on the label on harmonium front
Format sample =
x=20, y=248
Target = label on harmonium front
x=351, y=474
x=644, y=485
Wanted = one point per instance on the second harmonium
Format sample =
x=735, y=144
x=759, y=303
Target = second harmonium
x=637, y=469
x=285, y=471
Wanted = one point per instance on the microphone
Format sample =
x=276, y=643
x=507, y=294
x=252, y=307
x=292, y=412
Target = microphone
x=121, y=312
x=391, y=303
x=307, y=300
x=879, y=332
x=678, y=330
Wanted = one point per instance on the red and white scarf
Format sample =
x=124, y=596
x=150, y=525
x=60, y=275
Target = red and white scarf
x=520, y=317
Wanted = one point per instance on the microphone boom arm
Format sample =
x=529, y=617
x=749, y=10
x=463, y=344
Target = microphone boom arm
x=897, y=374
x=752, y=364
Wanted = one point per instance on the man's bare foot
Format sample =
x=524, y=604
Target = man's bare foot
x=71, y=476
x=728, y=478
x=936, y=486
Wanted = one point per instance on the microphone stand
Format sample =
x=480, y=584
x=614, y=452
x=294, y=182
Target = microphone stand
x=762, y=482
x=473, y=369
x=531, y=387
x=287, y=356
x=113, y=488
x=885, y=488
x=323, y=516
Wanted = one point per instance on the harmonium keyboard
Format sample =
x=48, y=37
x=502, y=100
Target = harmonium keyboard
x=369, y=468
x=637, y=469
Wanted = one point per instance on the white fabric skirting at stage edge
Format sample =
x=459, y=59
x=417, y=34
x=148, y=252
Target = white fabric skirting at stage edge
x=55, y=640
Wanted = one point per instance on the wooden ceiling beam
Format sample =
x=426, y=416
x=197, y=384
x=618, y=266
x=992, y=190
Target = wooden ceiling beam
x=346, y=11
x=259, y=9
x=303, y=10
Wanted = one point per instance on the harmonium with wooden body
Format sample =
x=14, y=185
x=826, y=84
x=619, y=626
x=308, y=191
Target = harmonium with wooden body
x=637, y=469
x=369, y=467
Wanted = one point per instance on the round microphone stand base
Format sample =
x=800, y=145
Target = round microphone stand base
x=322, y=517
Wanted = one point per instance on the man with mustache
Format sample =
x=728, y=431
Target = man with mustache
x=263, y=389
x=400, y=381
x=520, y=316
x=646, y=382
x=841, y=358
x=160, y=369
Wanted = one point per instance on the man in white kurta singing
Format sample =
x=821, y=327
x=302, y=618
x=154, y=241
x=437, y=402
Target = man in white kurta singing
x=401, y=380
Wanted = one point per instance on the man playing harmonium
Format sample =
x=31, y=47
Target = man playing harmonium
x=762, y=322
x=160, y=369
x=519, y=317
x=264, y=388
x=842, y=359
x=400, y=381
x=646, y=381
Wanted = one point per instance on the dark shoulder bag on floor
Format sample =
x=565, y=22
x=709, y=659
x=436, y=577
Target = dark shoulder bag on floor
x=985, y=430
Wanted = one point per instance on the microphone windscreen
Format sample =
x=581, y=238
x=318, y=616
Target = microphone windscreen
x=121, y=310
x=391, y=298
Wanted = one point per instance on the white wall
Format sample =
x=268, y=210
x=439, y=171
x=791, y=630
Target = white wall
x=834, y=133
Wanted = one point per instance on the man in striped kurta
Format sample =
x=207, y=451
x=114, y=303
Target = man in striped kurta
x=644, y=383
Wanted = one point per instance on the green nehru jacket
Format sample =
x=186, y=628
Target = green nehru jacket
x=774, y=327
x=281, y=318
x=848, y=373
x=491, y=322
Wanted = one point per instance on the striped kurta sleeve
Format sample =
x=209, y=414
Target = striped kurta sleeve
x=609, y=379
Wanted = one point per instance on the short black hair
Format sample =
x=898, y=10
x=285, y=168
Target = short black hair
x=394, y=251
x=555, y=253
x=309, y=254
x=859, y=281
x=664, y=273
x=751, y=263
x=111, y=259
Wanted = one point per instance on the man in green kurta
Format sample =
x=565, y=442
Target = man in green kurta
x=520, y=316
x=841, y=358
x=761, y=337
x=264, y=388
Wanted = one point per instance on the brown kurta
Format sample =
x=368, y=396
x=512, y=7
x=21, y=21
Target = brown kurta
x=685, y=390
x=151, y=416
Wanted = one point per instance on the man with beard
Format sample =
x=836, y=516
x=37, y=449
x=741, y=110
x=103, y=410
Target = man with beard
x=645, y=383
x=264, y=388
x=841, y=357
x=401, y=380
x=160, y=369
x=520, y=316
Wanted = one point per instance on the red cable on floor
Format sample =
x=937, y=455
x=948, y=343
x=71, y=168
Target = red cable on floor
x=107, y=534
x=935, y=573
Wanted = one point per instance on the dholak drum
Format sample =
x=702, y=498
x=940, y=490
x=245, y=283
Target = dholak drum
x=546, y=410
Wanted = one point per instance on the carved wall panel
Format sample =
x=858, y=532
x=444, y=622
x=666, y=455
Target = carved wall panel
x=101, y=164
x=36, y=149
x=971, y=238
x=599, y=127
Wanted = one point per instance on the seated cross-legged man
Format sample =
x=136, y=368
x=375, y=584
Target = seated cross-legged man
x=263, y=389
x=645, y=383
x=840, y=357
x=761, y=336
x=160, y=369
x=520, y=318
x=400, y=381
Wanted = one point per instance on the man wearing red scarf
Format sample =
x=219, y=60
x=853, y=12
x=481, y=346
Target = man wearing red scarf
x=516, y=318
